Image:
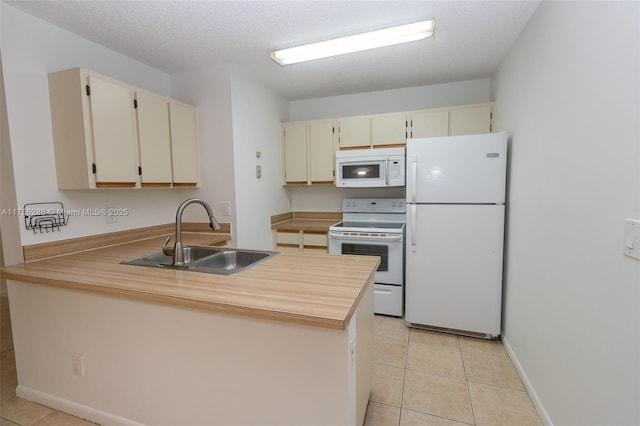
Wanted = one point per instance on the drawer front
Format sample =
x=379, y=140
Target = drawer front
x=312, y=239
x=286, y=237
x=388, y=300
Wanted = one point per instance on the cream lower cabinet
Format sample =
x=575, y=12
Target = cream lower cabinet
x=308, y=152
x=309, y=241
x=314, y=241
x=287, y=240
x=110, y=134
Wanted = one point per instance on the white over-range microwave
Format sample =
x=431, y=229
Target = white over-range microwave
x=370, y=168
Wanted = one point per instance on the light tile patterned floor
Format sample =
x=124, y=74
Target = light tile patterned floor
x=435, y=379
x=420, y=378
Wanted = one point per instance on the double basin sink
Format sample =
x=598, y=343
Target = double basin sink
x=212, y=260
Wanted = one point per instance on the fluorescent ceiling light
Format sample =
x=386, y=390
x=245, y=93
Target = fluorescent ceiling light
x=355, y=43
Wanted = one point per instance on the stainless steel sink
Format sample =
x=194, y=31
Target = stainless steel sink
x=211, y=260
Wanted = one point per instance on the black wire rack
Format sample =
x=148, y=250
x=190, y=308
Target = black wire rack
x=44, y=217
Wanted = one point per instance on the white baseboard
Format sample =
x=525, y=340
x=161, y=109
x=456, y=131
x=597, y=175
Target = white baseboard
x=73, y=408
x=527, y=384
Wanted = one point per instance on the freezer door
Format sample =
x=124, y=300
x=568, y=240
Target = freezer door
x=457, y=169
x=454, y=266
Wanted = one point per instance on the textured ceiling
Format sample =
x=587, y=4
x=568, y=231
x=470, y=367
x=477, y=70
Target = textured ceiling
x=470, y=40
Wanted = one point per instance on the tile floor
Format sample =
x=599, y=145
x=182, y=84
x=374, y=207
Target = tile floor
x=419, y=378
x=435, y=379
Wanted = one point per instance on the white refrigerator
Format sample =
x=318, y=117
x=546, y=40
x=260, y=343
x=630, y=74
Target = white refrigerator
x=455, y=232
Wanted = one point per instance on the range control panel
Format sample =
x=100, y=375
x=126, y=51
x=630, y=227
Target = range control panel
x=373, y=205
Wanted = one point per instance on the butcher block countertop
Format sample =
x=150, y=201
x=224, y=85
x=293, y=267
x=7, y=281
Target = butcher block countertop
x=305, y=221
x=307, y=225
x=319, y=290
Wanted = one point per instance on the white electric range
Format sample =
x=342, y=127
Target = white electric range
x=375, y=227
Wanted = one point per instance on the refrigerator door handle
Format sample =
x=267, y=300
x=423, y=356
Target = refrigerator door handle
x=414, y=176
x=414, y=224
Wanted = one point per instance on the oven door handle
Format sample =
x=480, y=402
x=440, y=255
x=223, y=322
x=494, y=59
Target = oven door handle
x=339, y=236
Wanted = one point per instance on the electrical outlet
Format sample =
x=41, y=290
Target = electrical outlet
x=352, y=350
x=77, y=362
x=111, y=217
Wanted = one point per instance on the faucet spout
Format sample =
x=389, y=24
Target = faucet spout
x=178, y=249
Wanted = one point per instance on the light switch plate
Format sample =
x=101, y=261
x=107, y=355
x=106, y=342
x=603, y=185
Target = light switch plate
x=226, y=208
x=631, y=242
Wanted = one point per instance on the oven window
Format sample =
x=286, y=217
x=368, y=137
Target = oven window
x=369, y=250
x=364, y=171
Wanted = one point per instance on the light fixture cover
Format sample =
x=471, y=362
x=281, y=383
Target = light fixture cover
x=355, y=43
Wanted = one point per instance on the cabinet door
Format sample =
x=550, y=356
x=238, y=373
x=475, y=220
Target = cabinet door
x=183, y=121
x=428, y=124
x=114, y=133
x=154, y=139
x=354, y=132
x=294, y=139
x=389, y=129
x=321, y=151
x=470, y=121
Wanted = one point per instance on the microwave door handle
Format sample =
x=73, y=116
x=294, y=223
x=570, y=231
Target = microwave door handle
x=386, y=171
x=414, y=177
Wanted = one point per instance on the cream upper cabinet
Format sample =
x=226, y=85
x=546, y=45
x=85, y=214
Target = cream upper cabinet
x=110, y=134
x=154, y=139
x=294, y=146
x=94, y=131
x=453, y=121
x=429, y=123
x=114, y=132
x=308, y=152
x=373, y=131
x=470, y=120
x=389, y=129
x=354, y=132
x=321, y=151
x=183, y=120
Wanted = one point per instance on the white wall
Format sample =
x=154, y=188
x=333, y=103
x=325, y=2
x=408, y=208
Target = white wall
x=329, y=198
x=31, y=48
x=407, y=99
x=210, y=89
x=257, y=113
x=10, y=247
x=237, y=117
x=568, y=93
